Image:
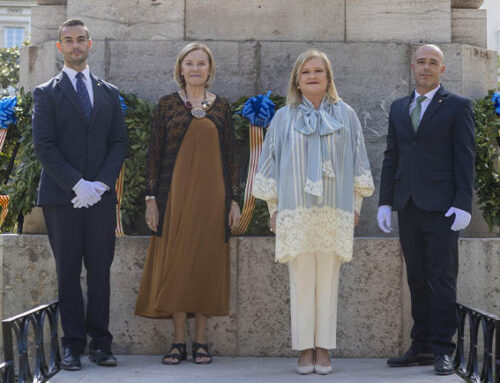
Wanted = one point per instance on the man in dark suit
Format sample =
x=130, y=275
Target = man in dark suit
x=427, y=177
x=80, y=139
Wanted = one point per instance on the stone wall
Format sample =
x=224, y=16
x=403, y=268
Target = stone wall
x=373, y=311
x=255, y=43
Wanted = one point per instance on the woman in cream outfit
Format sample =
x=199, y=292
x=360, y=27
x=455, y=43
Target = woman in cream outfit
x=314, y=173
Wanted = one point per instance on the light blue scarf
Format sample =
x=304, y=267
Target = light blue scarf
x=317, y=123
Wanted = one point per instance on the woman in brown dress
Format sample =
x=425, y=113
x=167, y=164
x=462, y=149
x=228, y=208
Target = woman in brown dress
x=192, y=189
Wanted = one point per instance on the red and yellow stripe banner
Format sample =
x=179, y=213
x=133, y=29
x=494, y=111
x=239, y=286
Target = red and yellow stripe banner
x=119, y=195
x=256, y=135
x=4, y=203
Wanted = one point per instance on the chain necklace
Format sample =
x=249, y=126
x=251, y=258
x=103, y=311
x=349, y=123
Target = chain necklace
x=198, y=112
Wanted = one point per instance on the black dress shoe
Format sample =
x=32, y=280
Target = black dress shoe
x=443, y=364
x=411, y=358
x=70, y=360
x=102, y=357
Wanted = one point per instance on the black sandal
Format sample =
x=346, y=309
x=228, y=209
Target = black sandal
x=179, y=356
x=196, y=354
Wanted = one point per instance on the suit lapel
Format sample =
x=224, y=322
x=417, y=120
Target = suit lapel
x=436, y=102
x=69, y=91
x=406, y=115
x=99, y=97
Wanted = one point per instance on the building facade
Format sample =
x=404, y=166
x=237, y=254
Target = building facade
x=15, y=22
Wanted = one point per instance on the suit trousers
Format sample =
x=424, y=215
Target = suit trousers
x=88, y=235
x=314, y=285
x=430, y=250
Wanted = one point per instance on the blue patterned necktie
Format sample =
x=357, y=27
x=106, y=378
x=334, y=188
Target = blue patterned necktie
x=83, y=95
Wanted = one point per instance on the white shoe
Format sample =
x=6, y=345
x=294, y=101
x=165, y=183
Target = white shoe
x=305, y=370
x=322, y=370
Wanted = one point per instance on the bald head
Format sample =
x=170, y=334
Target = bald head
x=427, y=68
x=429, y=49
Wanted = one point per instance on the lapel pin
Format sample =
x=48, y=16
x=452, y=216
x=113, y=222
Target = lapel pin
x=99, y=84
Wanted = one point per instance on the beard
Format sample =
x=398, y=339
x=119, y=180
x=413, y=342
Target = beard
x=77, y=60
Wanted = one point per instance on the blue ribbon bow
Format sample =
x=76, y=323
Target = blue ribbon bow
x=8, y=111
x=496, y=100
x=259, y=110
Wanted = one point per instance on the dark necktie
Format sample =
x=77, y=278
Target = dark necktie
x=415, y=114
x=83, y=95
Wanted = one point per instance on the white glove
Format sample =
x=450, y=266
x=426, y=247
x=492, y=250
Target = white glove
x=77, y=203
x=86, y=192
x=384, y=218
x=462, y=218
x=100, y=187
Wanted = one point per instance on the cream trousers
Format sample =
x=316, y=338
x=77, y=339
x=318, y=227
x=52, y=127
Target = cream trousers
x=314, y=286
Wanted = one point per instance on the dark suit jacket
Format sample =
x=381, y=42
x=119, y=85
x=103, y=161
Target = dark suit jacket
x=435, y=165
x=70, y=147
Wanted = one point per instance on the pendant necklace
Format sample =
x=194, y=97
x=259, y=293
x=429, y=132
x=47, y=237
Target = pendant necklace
x=198, y=112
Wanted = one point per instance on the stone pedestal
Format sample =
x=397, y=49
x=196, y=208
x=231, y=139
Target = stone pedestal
x=373, y=310
x=368, y=76
x=466, y=4
x=468, y=26
x=45, y=22
x=415, y=21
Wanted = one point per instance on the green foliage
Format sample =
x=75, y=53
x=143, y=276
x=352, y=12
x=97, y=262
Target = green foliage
x=138, y=123
x=23, y=186
x=487, y=179
x=9, y=68
x=9, y=75
x=259, y=225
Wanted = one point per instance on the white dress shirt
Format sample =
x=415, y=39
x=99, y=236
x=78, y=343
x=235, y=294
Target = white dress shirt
x=86, y=80
x=424, y=103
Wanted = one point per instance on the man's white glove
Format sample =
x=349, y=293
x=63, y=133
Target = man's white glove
x=100, y=187
x=86, y=194
x=77, y=203
x=384, y=218
x=462, y=218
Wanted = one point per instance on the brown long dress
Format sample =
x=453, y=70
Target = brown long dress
x=187, y=267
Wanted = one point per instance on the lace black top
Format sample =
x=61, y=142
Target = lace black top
x=170, y=123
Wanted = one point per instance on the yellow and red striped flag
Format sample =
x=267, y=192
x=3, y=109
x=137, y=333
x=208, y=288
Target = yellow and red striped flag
x=119, y=195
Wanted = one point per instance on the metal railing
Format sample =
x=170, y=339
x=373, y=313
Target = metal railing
x=467, y=367
x=17, y=328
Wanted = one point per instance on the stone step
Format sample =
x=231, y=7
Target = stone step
x=148, y=369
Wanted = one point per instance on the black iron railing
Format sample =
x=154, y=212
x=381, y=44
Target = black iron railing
x=468, y=366
x=17, y=329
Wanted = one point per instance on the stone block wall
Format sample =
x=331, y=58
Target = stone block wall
x=373, y=310
x=370, y=44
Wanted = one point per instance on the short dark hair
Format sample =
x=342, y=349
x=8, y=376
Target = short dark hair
x=72, y=23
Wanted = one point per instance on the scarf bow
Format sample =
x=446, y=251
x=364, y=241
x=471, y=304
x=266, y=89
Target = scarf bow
x=318, y=123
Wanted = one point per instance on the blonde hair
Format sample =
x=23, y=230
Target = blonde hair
x=179, y=79
x=294, y=95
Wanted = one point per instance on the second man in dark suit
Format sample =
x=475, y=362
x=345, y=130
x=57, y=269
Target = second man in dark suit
x=81, y=141
x=427, y=177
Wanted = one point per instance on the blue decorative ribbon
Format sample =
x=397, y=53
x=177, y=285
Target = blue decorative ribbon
x=318, y=123
x=259, y=110
x=8, y=111
x=123, y=105
x=496, y=101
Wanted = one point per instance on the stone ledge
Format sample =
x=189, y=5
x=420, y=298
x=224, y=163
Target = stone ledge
x=374, y=317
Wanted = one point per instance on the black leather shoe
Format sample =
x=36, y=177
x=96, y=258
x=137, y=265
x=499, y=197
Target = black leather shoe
x=70, y=360
x=102, y=357
x=443, y=364
x=411, y=358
